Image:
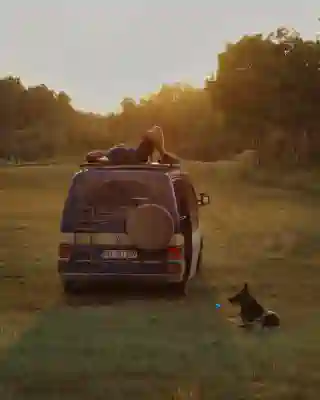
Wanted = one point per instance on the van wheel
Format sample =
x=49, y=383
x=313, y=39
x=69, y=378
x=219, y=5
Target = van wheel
x=200, y=259
x=69, y=287
x=180, y=288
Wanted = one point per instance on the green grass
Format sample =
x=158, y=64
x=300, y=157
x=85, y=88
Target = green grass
x=154, y=347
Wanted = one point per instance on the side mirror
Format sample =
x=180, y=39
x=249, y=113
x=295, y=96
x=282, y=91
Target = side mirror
x=203, y=199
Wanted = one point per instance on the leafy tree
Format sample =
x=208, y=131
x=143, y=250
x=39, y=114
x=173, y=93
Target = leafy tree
x=265, y=95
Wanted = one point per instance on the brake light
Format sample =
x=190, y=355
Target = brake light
x=64, y=251
x=174, y=253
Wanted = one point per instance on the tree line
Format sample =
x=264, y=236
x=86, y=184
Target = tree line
x=264, y=96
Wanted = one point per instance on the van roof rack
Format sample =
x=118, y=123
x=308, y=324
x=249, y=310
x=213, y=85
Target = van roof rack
x=145, y=167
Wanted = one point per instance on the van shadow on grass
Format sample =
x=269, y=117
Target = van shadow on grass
x=104, y=294
x=153, y=346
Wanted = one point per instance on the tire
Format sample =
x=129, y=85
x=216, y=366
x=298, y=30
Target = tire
x=70, y=287
x=200, y=259
x=187, y=234
x=141, y=223
x=180, y=288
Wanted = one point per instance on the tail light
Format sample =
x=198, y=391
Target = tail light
x=174, y=254
x=64, y=251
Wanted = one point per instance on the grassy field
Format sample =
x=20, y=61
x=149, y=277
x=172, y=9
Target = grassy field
x=149, y=346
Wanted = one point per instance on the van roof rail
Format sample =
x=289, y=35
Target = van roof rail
x=145, y=167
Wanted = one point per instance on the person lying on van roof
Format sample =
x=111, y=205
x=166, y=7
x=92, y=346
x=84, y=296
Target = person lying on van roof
x=152, y=140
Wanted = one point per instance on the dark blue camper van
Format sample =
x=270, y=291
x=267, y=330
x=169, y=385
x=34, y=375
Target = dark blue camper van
x=136, y=222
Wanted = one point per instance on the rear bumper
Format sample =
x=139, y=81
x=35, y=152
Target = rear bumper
x=121, y=271
x=143, y=278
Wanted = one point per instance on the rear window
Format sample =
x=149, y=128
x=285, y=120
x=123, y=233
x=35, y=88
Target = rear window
x=99, y=199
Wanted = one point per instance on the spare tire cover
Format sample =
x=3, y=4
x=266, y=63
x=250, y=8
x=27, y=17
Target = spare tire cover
x=150, y=227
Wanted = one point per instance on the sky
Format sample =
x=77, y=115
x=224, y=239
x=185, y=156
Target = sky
x=100, y=51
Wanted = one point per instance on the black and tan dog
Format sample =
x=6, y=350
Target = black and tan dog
x=252, y=312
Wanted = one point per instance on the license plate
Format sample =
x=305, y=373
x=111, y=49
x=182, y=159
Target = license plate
x=119, y=254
